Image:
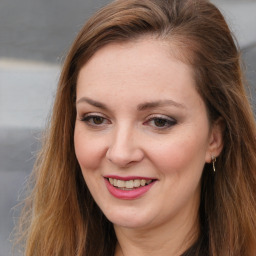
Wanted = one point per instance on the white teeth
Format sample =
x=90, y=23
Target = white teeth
x=143, y=182
x=120, y=183
x=136, y=183
x=129, y=184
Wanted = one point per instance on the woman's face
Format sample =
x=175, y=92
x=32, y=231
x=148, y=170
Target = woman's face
x=142, y=135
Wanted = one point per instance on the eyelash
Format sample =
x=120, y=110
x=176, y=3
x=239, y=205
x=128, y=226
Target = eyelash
x=88, y=119
x=166, y=121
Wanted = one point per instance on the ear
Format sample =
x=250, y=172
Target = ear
x=215, y=140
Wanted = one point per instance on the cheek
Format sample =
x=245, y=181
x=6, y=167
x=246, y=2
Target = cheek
x=89, y=150
x=179, y=154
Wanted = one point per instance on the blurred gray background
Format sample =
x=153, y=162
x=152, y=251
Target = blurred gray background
x=34, y=37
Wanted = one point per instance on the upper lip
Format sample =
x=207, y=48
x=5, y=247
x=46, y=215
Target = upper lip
x=128, y=177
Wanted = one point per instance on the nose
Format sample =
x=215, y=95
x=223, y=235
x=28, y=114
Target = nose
x=124, y=148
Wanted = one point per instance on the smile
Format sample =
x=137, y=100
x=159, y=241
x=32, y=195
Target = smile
x=129, y=184
x=128, y=188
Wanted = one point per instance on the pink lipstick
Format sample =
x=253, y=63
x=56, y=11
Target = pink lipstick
x=128, y=188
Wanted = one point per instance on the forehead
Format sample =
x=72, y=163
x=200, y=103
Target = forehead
x=129, y=74
x=145, y=56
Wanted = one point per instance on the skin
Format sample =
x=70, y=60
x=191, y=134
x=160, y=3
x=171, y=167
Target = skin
x=170, y=142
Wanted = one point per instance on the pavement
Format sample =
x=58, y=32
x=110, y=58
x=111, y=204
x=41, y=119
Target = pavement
x=34, y=37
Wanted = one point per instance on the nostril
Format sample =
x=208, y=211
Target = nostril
x=123, y=156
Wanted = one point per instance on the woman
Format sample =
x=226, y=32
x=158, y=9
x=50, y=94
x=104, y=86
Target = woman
x=151, y=148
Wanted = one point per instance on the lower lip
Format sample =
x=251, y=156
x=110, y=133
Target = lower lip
x=128, y=194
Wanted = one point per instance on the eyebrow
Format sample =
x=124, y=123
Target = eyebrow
x=140, y=107
x=92, y=102
x=159, y=103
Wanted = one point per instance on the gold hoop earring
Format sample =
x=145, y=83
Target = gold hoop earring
x=213, y=163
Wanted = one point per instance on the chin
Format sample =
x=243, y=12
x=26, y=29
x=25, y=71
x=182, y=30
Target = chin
x=128, y=218
x=130, y=224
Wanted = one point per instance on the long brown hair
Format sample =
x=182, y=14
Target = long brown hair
x=60, y=216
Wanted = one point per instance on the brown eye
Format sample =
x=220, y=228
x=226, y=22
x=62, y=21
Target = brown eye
x=97, y=120
x=159, y=122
